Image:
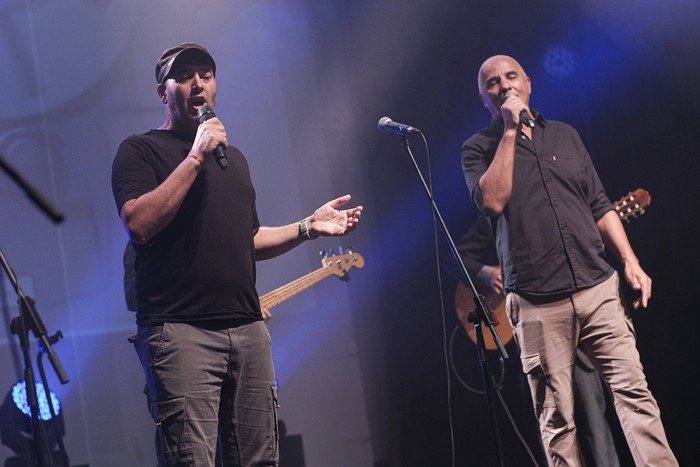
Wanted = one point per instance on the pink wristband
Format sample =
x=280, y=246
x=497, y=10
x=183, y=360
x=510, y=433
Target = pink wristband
x=201, y=162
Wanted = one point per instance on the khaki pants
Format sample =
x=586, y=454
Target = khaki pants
x=595, y=320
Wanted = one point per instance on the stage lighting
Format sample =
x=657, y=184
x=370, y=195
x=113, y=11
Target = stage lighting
x=559, y=62
x=19, y=397
x=16, y=428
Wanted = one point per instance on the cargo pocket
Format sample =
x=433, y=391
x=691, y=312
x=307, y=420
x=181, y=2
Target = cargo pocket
x=513, y=314
x=172, y=440
x=532, y=367
x=531, y=363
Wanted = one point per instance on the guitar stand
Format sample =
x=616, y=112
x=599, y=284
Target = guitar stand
x=482, y=312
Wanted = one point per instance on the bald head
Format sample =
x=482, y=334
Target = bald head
x=501, y=77
x=492, y=62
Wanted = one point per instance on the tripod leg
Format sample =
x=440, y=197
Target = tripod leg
x=489, y=388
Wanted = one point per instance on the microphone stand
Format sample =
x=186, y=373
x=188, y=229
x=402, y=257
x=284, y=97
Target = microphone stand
x=39, y=201
x=27, y=320
x=64, y=462
x=481, y=314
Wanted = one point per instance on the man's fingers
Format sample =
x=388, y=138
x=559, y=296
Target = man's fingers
x=338, y=202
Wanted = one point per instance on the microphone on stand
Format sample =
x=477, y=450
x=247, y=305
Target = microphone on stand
x=205, y=113
x=387, y=124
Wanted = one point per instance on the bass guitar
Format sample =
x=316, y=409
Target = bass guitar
x=335, y=265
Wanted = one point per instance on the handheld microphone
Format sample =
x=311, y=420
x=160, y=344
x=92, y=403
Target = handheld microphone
x=387, y=124
x=205, y=113
x=526, y=120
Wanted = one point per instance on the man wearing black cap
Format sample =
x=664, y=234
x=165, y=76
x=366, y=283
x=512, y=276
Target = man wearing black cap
x=201, y=340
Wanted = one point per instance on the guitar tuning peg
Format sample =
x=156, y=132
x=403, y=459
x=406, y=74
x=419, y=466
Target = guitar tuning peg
x=340, y=250
x=348, y=249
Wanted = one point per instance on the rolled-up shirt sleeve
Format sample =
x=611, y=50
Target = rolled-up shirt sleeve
x=477, y=154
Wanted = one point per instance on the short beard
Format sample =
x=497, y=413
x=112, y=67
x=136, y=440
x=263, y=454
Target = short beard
x=180, y=118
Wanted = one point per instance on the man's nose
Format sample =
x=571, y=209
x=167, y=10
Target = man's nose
x=197, y=80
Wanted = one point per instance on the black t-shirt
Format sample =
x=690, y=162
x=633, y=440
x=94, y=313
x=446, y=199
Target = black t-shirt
x=201, y=267
x=547, y=239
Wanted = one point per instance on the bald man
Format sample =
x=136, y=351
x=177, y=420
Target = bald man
x=535, y=181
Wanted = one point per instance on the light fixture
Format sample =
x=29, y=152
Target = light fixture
x=16, y=426
x=559, y=62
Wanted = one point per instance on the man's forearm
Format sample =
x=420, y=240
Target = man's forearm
x=497, y=182
x=147, y=215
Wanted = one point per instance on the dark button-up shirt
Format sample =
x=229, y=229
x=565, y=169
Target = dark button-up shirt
x=547, y=239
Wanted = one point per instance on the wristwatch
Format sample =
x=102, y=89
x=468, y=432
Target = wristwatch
x=304, y=229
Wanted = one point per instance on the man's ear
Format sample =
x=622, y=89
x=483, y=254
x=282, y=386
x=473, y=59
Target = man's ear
x=483, y=101
x=160, y=89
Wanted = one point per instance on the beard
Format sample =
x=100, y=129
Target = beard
x=181, y=116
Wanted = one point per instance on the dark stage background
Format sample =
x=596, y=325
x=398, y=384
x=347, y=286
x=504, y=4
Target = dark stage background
x=622, y=74
x=364, y=367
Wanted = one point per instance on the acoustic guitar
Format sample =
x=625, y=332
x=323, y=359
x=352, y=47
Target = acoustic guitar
x=629, y=206
x=331, y=265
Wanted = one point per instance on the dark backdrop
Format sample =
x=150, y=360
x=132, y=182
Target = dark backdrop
x=627, y=83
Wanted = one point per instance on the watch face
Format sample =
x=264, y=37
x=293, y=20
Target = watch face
x=51, y=52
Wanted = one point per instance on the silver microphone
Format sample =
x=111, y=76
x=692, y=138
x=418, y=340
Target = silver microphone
x=387, y=124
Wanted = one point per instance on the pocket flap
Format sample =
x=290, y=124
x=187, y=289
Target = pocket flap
x=530, y=362
x=162, y=410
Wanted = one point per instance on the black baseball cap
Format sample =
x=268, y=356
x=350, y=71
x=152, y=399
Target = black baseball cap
x=175, y=55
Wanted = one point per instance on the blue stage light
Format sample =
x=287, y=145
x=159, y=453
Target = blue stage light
x=17, y=429
x=558, y=62
x=19, y=397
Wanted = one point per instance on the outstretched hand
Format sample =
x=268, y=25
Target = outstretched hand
x=331, y=221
